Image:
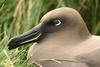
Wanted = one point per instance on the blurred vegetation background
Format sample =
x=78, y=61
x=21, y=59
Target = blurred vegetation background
x=18, y=16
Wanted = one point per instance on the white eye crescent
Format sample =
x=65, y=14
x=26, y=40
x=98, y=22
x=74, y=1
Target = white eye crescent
x=57, y=22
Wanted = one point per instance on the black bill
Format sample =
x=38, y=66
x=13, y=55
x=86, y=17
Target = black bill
x=32, y=35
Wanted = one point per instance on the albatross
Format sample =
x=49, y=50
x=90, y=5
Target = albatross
x=62, y=40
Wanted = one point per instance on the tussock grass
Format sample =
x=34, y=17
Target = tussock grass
x=18, y=16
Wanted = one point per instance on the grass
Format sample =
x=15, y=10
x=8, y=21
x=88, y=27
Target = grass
x=18, y=16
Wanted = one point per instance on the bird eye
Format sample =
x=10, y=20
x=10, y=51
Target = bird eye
x=57, y=22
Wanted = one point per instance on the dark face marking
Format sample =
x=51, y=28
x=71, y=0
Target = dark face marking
x=53, y=25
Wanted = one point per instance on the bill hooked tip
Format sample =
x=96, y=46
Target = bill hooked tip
x=12, y=43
